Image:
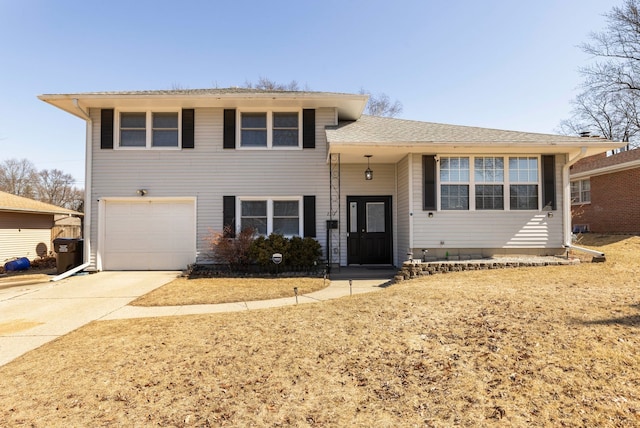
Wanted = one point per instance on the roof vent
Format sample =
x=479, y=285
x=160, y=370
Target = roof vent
x=585, y=134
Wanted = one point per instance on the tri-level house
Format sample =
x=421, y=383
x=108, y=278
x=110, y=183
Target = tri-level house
x=164, y=168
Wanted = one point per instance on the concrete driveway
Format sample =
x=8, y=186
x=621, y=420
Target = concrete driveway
x=32, y=315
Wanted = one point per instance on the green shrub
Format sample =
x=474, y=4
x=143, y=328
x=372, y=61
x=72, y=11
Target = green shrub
x=245, y=249
x=263, y=248
x=304, y=252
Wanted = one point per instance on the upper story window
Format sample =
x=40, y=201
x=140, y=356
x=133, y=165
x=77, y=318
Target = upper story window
x=148, y=129
x=271, y=129
x=581, y=191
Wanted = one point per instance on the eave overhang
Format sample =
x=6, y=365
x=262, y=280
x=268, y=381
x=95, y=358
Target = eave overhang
x=349, y=106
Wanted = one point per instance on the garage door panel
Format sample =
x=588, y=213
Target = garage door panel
x=149, y=235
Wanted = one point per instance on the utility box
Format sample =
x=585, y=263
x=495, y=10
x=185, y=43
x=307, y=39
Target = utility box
x=68, y=253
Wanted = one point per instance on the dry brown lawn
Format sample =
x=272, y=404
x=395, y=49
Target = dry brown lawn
x=185, y=291
x=545, y=346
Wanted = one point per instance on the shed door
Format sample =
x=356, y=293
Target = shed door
x=149, y=235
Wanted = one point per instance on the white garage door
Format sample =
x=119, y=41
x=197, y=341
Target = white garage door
x=149, y=235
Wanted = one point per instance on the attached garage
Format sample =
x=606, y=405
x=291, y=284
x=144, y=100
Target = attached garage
x=148, y=234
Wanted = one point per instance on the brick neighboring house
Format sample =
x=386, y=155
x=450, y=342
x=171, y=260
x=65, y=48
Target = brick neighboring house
x=605, y=193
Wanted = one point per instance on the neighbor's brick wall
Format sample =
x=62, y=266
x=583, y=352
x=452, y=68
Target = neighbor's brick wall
x=602, y=160
x=615, y=204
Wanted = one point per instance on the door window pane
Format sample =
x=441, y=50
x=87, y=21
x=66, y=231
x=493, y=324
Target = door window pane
x=353, y=217
x=375, y=217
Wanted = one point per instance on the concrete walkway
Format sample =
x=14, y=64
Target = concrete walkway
x=34, y=314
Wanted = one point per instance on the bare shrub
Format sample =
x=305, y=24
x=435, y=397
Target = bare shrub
x=232, y=252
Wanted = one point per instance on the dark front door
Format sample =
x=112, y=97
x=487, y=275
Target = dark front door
x=369, y=230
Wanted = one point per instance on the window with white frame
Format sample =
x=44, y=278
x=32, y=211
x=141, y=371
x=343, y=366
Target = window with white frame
x=523, y=183
x=489, y=183
x=454, y=183
x=581, y=191
x=271, y=215
x=147, y=129
x=271, y=129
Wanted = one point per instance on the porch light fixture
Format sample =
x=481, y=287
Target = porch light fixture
x=368, y=174
x=141, y=192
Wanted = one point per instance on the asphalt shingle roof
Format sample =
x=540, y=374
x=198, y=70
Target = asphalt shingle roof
x=13, y=203
x=384, y=130
x=208, y=91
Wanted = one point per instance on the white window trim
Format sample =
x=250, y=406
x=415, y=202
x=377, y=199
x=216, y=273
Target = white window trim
x=472, y=183
x=580, y=201
x=149, y=128
x=270, y=200
x=269, y=113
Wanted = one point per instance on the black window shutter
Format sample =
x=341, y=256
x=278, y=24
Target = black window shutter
x=549, y=181
x=429, y=182
x=229, y=216
x=308, y=129
x=309, y=210
x=106, y=128
x=229, y=139
x=188, y=128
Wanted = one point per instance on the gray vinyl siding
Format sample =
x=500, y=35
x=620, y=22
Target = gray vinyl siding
x=486, y=232
x=208, y=172
x=403, y=215
x=21, y=233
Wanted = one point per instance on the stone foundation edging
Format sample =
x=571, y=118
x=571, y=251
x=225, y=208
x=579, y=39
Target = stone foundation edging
x=415, y=268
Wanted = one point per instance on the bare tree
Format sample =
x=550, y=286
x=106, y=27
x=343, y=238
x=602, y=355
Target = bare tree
x=618, y=48
x=381, y=105
x=18, y=177
x=266, y=84
x=378, y=105
x=611, y=115
x=55, y=187
x=609, y=103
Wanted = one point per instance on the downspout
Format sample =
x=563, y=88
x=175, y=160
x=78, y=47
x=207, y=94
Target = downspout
x=567, y=205
x=86, y=233
x=410, y=187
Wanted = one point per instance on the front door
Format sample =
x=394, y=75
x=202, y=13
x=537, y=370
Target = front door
x=369, y=230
